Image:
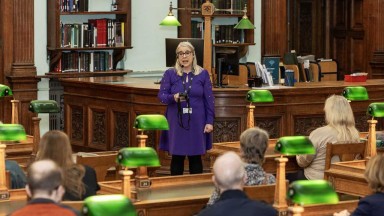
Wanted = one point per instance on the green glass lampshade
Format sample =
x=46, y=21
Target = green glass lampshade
x=5, y=91
x=376, y=109
x=151, y=122
x=170, y=20
x=244, y=23
x=305, y=192
x=44, y=106
x=355, y=93
x=12, y=132
x=138, y=156
x=111, y=205
x=294, y=145
x=259, y=96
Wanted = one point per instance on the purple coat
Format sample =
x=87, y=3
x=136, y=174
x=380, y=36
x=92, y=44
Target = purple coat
x=179, y=141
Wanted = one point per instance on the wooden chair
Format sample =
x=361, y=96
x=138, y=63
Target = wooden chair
x=251, y=69
x=328, y=70
x=295, y=69
x=315, y=69
x=345, y=151
x=101, y=163
x=264, y=193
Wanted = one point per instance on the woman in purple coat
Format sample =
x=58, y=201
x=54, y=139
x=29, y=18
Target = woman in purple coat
x=187, y=91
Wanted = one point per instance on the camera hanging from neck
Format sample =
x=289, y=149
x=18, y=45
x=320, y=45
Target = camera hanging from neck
x=187, y=85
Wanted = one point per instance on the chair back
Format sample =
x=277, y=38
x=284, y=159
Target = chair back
x=100, y=161
x=345, y=151
x=328, y=70
x=264, y=193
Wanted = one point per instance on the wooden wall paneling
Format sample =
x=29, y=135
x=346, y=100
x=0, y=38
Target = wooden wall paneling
x=274, y=28
x=76, y=129
x=119, y=127
x=376, y=42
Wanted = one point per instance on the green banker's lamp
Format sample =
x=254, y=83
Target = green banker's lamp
x=40, y=106
x=288, y=145
x=307, y=192
x=256, y=96
x=8, y=132
x=111, y=205
x=374, y=110
x=135, y=157
x=355, y=93
x=5, y=91
x=145, y=123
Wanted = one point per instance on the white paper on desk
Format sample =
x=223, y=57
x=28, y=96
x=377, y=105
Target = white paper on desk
x=264, y=75
x=269, y=78
x=259, y=69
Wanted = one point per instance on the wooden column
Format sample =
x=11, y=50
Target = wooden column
x=207, y=10
x=15, y=111
x=274, y=41
x=17, y=50
x=250, y=116
x=370, y=148
x=4, y=194
x=142, y=179
x=36, y=136
x=126, y=182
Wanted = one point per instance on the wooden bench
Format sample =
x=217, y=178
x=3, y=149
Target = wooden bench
x=100, y=161
x=329, y=209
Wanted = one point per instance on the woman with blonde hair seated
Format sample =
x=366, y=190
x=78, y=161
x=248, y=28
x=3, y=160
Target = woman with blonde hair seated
x=340, y=128
x=253, y=145
x=79, y=181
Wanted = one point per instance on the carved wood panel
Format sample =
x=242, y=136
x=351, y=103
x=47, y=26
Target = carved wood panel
x=226, y=129
x=77, y=123
x=98, y=125
x=304, y=125
x=271, y=125
x=121, y=131
x=361, y=122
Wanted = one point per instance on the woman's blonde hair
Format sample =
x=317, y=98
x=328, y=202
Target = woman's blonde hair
x=55, y=145
x=374, y=173
x=339, y=115
x=254, y=143
x=196, y=68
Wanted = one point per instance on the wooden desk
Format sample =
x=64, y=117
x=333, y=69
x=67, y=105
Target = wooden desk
x=100, y=111
x=20, y=151
x=348, y=178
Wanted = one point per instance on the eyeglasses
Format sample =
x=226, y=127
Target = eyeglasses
x=185, y=54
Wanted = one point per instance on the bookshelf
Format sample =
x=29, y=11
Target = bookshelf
x=87, y=38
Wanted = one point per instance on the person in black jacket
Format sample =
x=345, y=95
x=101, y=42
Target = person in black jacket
x=229, y=177
x=80, y=181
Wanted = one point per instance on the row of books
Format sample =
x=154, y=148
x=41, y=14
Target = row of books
x=227, y=34
x=197, y=28
x=95, y=33
x=222, y=4
x=84, y=62
x=74, y=5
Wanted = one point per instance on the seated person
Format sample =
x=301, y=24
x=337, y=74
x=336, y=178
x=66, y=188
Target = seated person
x=253, y=143
x=80, y=181
x=229, y=177
x=18, y=179
x=45, y=188
x=340, y=128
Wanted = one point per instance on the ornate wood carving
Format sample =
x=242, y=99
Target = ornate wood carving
x=151, y=139
x=272, y=125
x=121, y=131
x=226, y=129
x=304, y=125
x=77, y=123
x=98, y=128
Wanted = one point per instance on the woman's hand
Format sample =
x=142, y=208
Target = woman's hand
x=176, y=96
x=208, y=128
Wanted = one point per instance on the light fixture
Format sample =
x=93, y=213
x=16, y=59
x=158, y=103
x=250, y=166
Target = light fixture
x=256, y=96
x=245, y=23
x=170, y=19
x=8, y=132
x=151, y=122
x=306, y=192
x=111, y=205
x=5, y=91
x=355, y=93
x=374, y=110
x=139, y=157
x=288, y=145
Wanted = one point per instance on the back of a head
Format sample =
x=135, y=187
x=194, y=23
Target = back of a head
x=374, y=173
x=55, y=145
x=44, y=176
x=229, y=171
x=254, y=143
x=339, y=115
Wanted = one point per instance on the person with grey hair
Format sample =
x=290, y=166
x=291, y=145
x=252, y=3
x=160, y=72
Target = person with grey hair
x=186, y=89
x=229, y=177
x=46, y=190
x=253, y=143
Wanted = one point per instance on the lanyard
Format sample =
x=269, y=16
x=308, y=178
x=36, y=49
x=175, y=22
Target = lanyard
x=187, y=89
